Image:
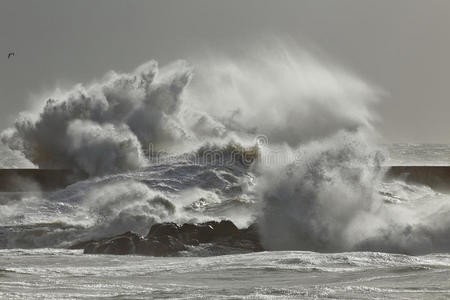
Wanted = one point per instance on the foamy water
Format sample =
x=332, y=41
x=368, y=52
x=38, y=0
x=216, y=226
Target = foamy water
x=63, y=274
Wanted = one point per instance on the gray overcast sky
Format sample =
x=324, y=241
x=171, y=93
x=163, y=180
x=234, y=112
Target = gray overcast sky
x=402, y=46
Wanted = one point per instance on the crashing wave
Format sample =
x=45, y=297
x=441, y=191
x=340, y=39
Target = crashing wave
x=322, y=194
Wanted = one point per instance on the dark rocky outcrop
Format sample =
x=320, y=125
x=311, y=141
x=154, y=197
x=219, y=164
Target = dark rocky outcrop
x=169, y=239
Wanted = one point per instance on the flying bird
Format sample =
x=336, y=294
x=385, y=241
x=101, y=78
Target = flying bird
x=10, y=54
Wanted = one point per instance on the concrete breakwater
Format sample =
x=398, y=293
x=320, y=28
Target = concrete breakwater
x=437, y=177
x=16, y=180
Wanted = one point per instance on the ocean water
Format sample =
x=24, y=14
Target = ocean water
x=419, y=154
x=278, y=138
x=68, y=274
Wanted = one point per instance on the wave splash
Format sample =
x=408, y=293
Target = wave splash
x=103, y=127
x=324, y=202
x=326, y=199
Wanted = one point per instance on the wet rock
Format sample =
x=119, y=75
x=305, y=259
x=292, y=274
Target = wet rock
x=251, y=233
x=164, y=229
x=80, y=245
x=224, y=228
x=91, y=247
x=197, y=233
x=160, y=246
x=119, y=245
x=169, y=239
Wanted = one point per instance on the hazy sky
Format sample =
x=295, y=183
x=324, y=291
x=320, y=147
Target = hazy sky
x=402, y=46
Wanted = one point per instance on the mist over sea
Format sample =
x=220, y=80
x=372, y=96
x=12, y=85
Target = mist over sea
x=157, y=144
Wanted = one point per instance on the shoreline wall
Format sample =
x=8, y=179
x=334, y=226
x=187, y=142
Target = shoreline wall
x=15, y=180
x=436, y=177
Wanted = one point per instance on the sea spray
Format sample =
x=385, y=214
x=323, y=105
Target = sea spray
x=114, y=208
x=326, y=200
x=283, y=93
x=104, y=126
